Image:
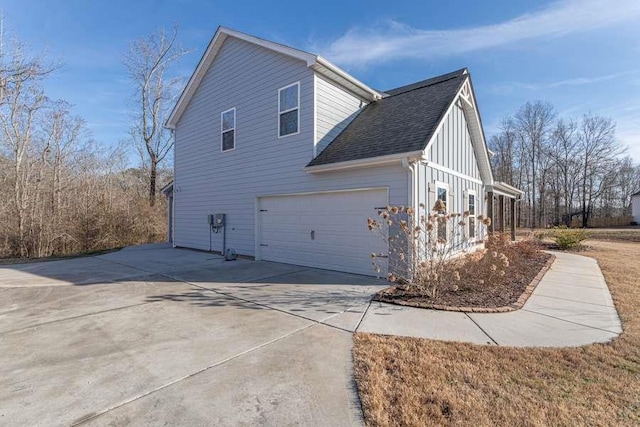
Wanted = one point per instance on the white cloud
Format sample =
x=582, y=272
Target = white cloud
x=578, y=81
x=506, y=88
x=394, y=40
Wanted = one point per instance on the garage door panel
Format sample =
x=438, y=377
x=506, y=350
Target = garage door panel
x=341, y=240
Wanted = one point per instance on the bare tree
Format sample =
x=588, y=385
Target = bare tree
x=563, y=150
x=533, y=124
x=599, y=150
x=626, y=183
x=64, y=194
x=148, y=61
x=565, y=167
x=22, y=100
x=504, y=145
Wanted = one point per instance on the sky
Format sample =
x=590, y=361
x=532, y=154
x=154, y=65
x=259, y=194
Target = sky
x=582, y=56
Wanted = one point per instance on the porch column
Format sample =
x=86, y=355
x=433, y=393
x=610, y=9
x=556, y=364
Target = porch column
x=490, y=228
x=513, y=219
x=501, y=225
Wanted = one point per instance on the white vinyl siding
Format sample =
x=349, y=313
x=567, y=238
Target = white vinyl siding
x=228, y=129
x=208, y=181
x=335, y=109
x=289, y=110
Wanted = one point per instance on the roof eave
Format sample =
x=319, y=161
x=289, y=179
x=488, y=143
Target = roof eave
x=167, y=188
x=312, y=61
x=470, y=109
x=209, y=54
x=334, y=72
x=368, y=162
x=505, y=189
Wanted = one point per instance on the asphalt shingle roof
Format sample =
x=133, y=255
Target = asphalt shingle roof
x=403, y=121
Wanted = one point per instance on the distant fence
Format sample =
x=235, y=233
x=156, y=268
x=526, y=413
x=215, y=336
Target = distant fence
x=603, y=222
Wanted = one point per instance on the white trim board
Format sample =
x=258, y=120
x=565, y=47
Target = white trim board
x=474, y=126
x=297, y=109
x=451, y=172
x=223, y=130
x=371, y=161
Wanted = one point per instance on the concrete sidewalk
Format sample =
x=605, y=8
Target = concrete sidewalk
x=571, y=306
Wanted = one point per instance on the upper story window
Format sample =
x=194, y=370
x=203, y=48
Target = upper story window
x=228, y=129
x=289, y=110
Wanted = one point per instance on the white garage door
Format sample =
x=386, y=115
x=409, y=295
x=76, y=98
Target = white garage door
x=323, y=230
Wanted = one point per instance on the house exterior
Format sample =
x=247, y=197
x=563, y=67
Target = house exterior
x=635, y=207
x=297, y=154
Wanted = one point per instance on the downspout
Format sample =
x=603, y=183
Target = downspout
x=409, y=167
x=173, y=193
x=412, y=189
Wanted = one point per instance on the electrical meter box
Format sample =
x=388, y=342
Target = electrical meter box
x=216, y=220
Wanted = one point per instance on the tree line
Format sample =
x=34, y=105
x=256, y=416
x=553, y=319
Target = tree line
x=568, y=168
x=63, y=192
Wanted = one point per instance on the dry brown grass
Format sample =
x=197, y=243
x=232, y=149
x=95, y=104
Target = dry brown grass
x=407, y=381
x=621, y=234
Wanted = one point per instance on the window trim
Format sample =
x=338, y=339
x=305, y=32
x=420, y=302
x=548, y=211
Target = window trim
x=289, y=110
x=445, y=186
x=468, y=193
x=223, y=130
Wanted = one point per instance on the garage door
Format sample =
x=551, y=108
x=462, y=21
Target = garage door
x=323, y=230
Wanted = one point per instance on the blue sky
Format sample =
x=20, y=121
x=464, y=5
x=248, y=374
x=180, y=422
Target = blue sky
x=580, y=55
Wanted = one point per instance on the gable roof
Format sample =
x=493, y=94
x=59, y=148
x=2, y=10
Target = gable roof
x=315, y=62
x=404, y=121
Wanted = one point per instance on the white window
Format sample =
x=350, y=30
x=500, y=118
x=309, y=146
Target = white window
x=289, y=110
x=442, y=193
x=471, y=207
x=228, y=129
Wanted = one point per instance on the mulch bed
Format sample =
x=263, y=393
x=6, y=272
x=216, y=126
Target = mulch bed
x=505, y=294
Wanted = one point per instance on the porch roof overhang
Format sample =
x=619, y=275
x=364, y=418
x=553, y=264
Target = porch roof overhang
x=504, y=189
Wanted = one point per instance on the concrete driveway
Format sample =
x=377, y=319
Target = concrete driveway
x=159, y=336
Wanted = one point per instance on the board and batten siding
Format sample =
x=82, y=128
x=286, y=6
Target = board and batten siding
x=335, y=109
x=247, y=77
x=452, y=149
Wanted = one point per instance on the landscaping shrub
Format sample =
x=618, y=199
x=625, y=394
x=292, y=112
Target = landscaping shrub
x=569, y=238
x=421, y=249
x=437, y=272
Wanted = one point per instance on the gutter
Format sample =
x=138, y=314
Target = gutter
x=375, y=95
x=372, y=161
